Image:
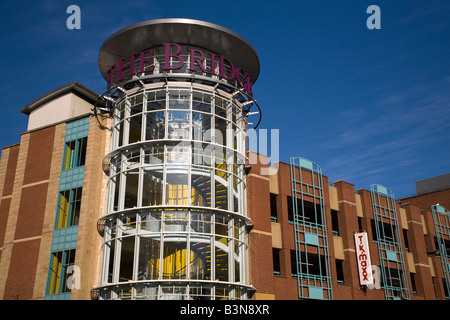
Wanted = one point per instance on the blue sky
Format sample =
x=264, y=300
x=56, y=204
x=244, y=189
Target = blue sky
x=368, y=106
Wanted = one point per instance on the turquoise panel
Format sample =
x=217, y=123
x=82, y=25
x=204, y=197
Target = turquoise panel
x=64, y=239
x=391, y=255
x=59, y=296
x=315, y=293
x=311, y=238
x=77, y=129
x=304, y=163
x=71, y=178
x=440, y=209
x=381, y=189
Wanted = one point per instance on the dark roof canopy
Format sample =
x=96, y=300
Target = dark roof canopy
x=147, y=34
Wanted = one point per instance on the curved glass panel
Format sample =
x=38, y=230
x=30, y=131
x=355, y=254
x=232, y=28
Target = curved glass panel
x=176, y=197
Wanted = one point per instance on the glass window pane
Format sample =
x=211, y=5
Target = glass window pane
x=177, y=186
x=201, y=126
x=131, y=188
x=221, y=258
x=149, y=248
x=155, y=125
x=126, y=259
x=178, y=124
x=201, y=187
x=135, y=128
x=152, y=186
x=200, y=260
x=174, y=259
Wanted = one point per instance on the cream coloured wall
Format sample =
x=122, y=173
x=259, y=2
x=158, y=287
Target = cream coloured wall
x=58, y=110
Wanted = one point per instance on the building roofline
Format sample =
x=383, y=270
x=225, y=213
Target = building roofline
x=73, y=87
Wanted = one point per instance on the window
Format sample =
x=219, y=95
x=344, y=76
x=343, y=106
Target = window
x=340, y=271
x=68, y=214
x=75, y=153
x=276, y=261
x=309, y=213
x=60, y=270
x=334, y=222
x=290, y=209
x=273, y=207
x=387, y=232
x=405, y=236
x=413, y=282
x=360, y=226
x=444, y=283
x=310, y=263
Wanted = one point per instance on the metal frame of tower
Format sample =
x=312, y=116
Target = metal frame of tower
x=312, y=235
x=389, y=243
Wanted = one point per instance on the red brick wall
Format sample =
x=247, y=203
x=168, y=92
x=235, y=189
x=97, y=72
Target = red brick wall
x=31, y=211
x=260, y=241
x=22, y=270
x=37, y=167
x=30, y=215
x=425, y=201
x=4, y=211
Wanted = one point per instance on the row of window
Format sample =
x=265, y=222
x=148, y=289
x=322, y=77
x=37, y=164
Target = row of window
x=313, y=263
x=310, y=213
x=62, y=263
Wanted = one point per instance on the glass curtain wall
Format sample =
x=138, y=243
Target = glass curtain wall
x=175, y=223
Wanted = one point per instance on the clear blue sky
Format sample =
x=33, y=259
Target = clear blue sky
x=368, y=106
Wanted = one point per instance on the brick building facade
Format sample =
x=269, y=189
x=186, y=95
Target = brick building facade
x=272, y=241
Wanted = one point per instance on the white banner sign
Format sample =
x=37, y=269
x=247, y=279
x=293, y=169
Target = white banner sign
x=363, y=256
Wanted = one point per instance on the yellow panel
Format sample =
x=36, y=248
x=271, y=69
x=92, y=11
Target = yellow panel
x=56, y=275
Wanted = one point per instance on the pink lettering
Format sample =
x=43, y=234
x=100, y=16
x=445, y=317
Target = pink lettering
x=222, y=68
x=176, y=55
x=199, y=61
x=173, y=61
x=143, y=60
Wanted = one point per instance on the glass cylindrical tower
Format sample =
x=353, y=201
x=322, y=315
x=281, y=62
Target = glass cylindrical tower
x=175, y=226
